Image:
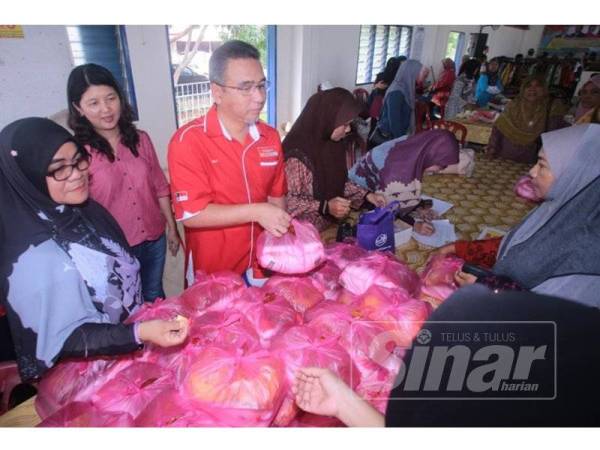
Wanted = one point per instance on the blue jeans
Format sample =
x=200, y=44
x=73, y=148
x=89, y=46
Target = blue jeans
x=152, y=255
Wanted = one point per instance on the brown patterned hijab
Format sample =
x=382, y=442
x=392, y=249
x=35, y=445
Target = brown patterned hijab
x=309, y=140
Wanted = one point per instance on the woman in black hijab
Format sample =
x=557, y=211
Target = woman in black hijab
x=315, y=160
x=68, y=279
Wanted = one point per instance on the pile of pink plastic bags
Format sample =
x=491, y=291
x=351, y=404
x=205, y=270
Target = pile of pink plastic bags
x=345, y=309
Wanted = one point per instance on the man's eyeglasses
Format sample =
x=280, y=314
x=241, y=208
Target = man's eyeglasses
x=81, y=161
x=247, y=88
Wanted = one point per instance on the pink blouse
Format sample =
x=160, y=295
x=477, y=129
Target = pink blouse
x=129, y=188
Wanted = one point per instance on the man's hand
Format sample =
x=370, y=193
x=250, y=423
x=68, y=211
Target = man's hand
x=273, y=219
x=164, y=333
x=376, y=199
x=338, y=207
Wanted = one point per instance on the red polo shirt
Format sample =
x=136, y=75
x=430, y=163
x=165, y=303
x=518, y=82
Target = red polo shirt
x=207, y=166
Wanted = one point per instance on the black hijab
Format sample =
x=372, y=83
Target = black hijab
x=310, y=140
x=29, y=217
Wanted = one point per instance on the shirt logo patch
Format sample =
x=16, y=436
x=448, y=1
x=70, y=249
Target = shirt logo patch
x=181, y=196
x=268, y=152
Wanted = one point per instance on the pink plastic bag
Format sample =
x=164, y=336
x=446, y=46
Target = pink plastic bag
x=377, y=299
x=133, y=388
x=298, y=251
x=403, y=320
x=437, y=279
x=214, y=292
x=272, y=317
x=165, y=309
x=303, y=346
x=380, y=270
x=524, y=189
x=305, y=419
x=75, y=380
x=343, y=254
x=170, y=409
x=239, y=390
x=85, y=414
x=298, y=291
x=329, y=318
x=325, y=279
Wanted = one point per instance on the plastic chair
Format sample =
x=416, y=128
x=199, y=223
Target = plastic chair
x=458, y=129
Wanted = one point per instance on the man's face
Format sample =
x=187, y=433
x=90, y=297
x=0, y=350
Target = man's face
x=231, y=98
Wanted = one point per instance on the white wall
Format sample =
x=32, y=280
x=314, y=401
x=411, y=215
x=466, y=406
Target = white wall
x=33, y=73
x=149, y=57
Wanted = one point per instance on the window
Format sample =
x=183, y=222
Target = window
x=105, y=45
x=455, y=48
x=191, y=47
x=377, y=44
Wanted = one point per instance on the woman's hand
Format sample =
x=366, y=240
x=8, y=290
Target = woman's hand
x=319, y=391
x=173, y=240
x=338, y=207
x=164, y=333
x=376, y=199
x=463, y=279
x=424, y=228
x=448, y=249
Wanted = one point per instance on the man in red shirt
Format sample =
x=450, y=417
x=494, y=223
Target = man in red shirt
x=227, y=170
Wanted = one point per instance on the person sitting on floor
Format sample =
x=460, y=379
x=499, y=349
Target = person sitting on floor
x=395, y=170
x=555, y=249
x=315, y=161
x=516, y=132
x=463, y=89
x=489, y=84
x=398, y=113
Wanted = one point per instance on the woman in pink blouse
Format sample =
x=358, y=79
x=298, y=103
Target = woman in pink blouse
x=315, y=161
x=125, y=175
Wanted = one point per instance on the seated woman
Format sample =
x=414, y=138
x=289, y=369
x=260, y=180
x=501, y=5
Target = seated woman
x=440, y=90
x=315, y=161
x=554, y=250
x=397, y=115
x=589, y=100
x=463, y=90
x=516, y=132
x=68, y=279
x=577, y=392
x=382, y=82
x=489, y=83
x=395, y=170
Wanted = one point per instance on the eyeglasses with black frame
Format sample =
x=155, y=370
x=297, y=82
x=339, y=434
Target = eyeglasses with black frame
x=81, y=161
x=247, y=88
